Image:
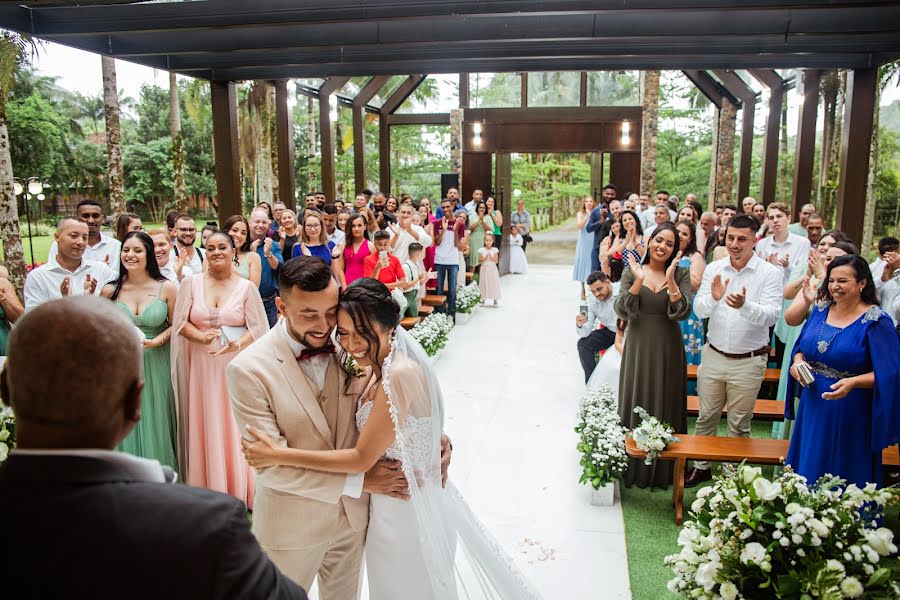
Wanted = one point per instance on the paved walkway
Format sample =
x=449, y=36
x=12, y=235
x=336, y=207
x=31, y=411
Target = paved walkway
x=511, y=382
x=555, y=246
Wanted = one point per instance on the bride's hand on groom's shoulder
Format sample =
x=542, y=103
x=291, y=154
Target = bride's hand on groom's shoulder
x=386, y=479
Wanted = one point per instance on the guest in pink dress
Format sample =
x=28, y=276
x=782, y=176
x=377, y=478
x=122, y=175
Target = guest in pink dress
x=217, y=314
x=489, y=275
x=348, y=265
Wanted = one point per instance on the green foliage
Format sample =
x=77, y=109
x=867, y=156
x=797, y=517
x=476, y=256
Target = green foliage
x=149, y=175
x=545, y=178
x=39, y=135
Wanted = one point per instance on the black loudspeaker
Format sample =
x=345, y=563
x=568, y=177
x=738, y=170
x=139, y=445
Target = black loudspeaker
x=448, y=180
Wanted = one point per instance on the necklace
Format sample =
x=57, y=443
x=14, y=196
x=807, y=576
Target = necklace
x=822, y=345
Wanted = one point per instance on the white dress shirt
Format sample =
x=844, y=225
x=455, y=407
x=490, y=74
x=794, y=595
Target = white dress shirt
x=746, y=329
x=42, y=284
x=315, y=369
x=139, y=469
x=404, y=239
x=107, y=250
x=337, y=237
x=168, y=272
x=600, y=312
x=470, y=208
x=795, y=247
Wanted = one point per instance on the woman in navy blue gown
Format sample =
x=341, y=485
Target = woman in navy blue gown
x=851, y=411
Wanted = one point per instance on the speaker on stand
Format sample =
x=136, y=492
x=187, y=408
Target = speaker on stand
x=448, y=180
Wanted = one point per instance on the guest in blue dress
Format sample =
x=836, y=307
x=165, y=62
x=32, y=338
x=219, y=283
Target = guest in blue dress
x=585, y=245
x=313, y=238
x=851, y=411
x=692, y=326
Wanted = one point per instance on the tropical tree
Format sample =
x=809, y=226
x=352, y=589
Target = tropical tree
x=15, y=50
x=113, y=136
x=887, y=74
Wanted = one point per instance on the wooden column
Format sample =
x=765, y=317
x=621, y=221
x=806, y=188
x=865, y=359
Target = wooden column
x=503, y=181
x=805, y=150
x=326, y=134
x=524, y=102
x=724, y=155
x=223, y=98
x=384, y=153
x=856, y=139
x=582, y=97
x=775, y=85
x=464, y=90
x=359, y=128
x=747, y=96
x=596, y=174
x=284, y=139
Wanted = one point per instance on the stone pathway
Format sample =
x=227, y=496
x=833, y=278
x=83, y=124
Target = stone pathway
x=555, y=246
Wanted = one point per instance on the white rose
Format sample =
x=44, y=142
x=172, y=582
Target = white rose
x=880, y=541
x=766, y=490
x=4, y=435
x=834, y=565
x=706, y=575
x=728, y=591
x=687, y=536
x=791, y=508
x=750, y=473
x=697, y=505
x=851, y=588
x=4, y=451
x=753, y=552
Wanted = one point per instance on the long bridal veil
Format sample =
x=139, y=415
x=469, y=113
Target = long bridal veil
x=463, y=559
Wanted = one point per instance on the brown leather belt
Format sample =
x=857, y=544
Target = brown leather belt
x=761, y=352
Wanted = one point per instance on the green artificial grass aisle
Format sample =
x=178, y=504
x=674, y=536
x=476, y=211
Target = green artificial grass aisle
x=651, y=533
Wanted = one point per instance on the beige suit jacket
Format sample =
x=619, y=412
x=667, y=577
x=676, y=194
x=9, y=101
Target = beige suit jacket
x=295, y=508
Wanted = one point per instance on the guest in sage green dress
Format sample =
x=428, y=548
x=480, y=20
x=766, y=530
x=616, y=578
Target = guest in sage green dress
x=653, y=297
x=480, y=224
x=247, y=263
x=10, y=308
x=145, y=296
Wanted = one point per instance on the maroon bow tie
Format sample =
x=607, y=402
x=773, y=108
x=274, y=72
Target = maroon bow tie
x=307, y=353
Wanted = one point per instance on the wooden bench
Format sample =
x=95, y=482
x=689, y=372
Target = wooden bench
x=771, y=376
x=434, y=300
x=767, y=410
x=470, y=275
x=424, y=311
x=409, y=322
x=724, y=449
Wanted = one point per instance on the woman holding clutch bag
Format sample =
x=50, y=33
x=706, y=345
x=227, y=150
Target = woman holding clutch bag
x=850, y=409
x=218, y=313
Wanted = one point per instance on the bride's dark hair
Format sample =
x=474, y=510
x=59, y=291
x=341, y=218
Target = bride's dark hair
x=369, y=302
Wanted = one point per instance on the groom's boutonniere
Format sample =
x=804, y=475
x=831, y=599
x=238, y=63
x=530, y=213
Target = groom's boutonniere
x=352, y=367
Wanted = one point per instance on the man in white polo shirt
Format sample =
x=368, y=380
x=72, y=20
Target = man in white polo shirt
x=405, y=232
x=783, y=249
x=741, y=296
x=100, y=247
x=187, y=259
x=67, y=272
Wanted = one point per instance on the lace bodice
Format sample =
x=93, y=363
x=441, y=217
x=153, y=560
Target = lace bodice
x=417, y=435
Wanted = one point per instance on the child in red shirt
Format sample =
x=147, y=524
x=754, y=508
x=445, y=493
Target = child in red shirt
x=384, y=266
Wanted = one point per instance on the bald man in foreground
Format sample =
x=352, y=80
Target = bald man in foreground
x=88, y=522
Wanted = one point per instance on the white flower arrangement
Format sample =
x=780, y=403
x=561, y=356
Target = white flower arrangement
x=652, y=435
x=7, y=432
x=755, y=538
x=467, y=298
x=602, y=441
x=432, y=332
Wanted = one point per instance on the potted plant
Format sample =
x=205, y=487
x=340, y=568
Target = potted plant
x=467, y=299
x=601, y=444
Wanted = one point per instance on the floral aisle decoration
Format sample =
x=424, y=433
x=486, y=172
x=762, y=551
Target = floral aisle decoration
x=467, y=298
x=7, y=432
x=750, y=537
x=602, y=438
x=652, y=435
x=432, y=332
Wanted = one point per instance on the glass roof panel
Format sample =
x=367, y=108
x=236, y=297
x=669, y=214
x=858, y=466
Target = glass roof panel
x=389, y=88
x=613, y=88
x=495, y=90
x=436, y=94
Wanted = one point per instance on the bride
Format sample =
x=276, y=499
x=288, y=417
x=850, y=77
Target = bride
x=431, y=546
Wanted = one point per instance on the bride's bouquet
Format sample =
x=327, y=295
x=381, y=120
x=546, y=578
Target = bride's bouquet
x=602, y=441
x=7, y=432
x=432, y=332
x=652, y=435
x=755, y=538
x=467, y=298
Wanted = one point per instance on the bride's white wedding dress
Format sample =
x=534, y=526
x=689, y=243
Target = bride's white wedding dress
x=431, y=546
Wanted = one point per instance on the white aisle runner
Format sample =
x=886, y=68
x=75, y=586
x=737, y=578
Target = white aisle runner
x=511, y=381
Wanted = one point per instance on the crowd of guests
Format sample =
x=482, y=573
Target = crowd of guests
x=734, y=291
x=195, y=306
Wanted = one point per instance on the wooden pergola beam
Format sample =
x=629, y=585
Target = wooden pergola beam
x=737, y=87
x=773, y=82
x=365, y=95
x=805, y=150
x=284, y=140
x=859, y=110
x=403, y=92
x=326, y=133
x=223, y=97
x=384, y=128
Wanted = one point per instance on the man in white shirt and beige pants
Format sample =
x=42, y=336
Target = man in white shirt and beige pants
x=741, y=297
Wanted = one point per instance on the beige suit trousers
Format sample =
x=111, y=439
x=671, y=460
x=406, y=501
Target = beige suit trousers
x=337, y=562
x=727, y=382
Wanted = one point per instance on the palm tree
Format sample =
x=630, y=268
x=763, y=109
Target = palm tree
x=886, y=74
x=177, y=144
x=91, y=107
x=113, y=137
x=15, y=49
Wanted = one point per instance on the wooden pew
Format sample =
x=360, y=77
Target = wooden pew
x=771, y=375
x=434, y=300
x=425, y=310
x=724, y=449
x=409, y=322
x=767, y=410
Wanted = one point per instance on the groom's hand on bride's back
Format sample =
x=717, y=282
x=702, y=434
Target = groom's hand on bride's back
x=386, y=478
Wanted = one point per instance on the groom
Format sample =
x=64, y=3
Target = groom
x=289, y=385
